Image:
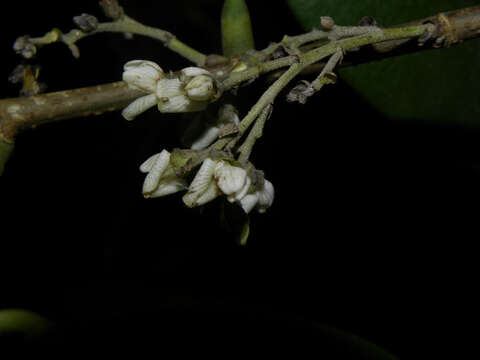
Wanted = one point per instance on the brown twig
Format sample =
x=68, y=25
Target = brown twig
x=27, y=112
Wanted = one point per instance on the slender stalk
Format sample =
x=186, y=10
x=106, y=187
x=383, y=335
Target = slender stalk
x=255, y=134
x=321, y=80
x=314, y=56
x=124, y=24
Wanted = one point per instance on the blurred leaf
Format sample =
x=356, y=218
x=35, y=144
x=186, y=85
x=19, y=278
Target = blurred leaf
x=5, y=152
x=434, y=85
x=23, y=321
x=237, y=35
x=352, y=344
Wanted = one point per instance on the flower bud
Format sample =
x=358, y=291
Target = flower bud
x=23, y=46
x=206, y=138
x=86, y=22
x=138, y=106
x=161, y=179
x=142, y=74
x=202, y=189
x=248, y=202
x=265, y=197
x=188, y=73
x=261, y=199
x=171, y=97
x=200, y=88
x=230, y=179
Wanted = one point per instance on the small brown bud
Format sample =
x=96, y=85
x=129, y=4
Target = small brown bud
x=24, y=47
x=327, y=22
x=112, y=9
x=86, y=22
x=367, y=21
x=301, y=92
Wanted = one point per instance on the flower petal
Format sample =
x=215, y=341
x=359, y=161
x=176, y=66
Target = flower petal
x=179, y=104
x=168, y=88
x=142, y=74
x=206, y=138
x=153, y=178
x=201, y=183
x=204, y=176
x=148, y=164
x=266, y=196
x=192, y=71
x=244, y=190
x=139, y=106
x=230, y=179
x=211, y=193
x=248, y=202
x=200, y=88
x=169, y=187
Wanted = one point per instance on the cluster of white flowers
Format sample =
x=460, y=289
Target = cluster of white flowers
x=213, y=179
x=190, y=90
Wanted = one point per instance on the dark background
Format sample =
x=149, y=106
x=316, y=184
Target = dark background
x=372, y=229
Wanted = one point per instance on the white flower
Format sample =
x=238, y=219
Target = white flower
x=265, y=197
x=189, y=72
x=262, y=199
x=172, y=99
x=139, y=106
x=200, y=88
x=202, y=189
x=190, y=91
x=206, y=138
x=230, y=179
x=142, y=74
x=161, y=179
x=214, y=178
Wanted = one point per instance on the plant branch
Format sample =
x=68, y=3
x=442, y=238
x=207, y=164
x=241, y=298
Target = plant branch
x=464, y=24
x=27, y=112
x=318, y=54
x=123, y=24
x=256, y=133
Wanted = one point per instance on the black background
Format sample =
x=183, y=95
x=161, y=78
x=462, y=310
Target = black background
x=372, y=229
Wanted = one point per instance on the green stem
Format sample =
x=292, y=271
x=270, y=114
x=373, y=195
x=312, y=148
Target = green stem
x=321, y=80
x=124, y=24
x=255, y=134
x=237, y=78
x=318, y=54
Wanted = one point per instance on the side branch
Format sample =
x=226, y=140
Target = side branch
x=125, y=24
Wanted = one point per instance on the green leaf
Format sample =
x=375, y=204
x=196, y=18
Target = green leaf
x=237, y=35
x=23, y=321
x=352, y=344
x=439, y=85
